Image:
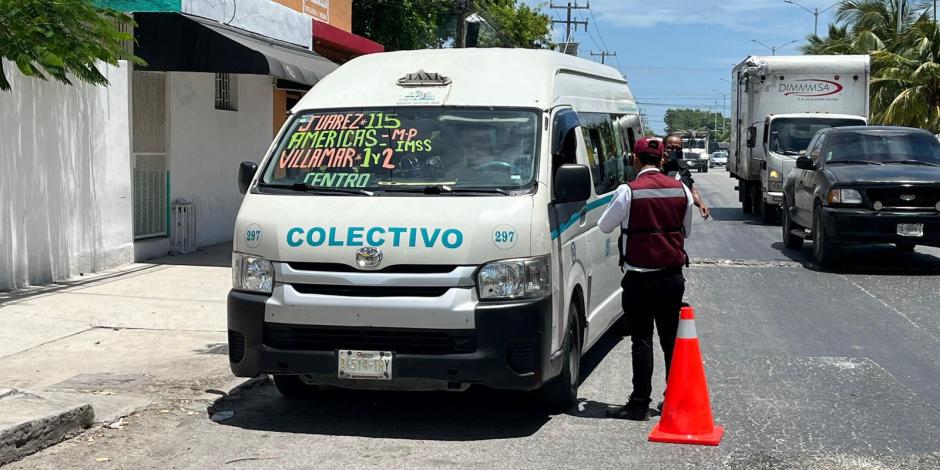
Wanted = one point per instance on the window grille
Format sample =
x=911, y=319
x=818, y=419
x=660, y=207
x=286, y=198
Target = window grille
x=226, y=92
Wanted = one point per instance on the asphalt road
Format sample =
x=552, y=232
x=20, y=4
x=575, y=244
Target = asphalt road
x=806, y=369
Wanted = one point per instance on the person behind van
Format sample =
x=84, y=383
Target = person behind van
x=672, y=167
x=654, y=214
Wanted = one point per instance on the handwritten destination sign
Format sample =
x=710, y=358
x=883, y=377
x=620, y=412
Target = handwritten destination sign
x=347, y=149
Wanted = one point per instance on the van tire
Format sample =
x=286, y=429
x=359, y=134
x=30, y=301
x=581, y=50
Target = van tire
x=292, y=387
x=561, y=393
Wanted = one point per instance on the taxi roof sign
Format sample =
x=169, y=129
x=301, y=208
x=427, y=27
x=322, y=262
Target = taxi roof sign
x=422, y=78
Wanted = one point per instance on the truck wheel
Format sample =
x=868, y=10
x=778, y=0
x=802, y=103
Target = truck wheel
x=768, y=213
x=705, y=168
x=292, y=387
x=824, y=250
x=789, y=240
x=744, y=190
x=561, y=393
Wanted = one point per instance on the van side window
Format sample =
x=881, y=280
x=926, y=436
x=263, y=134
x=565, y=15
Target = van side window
x=604, y=149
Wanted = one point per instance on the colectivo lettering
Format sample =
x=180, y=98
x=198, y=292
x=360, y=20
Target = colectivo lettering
x=412, y=237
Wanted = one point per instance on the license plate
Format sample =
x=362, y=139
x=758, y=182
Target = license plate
x=911, y=230
x=375, y=365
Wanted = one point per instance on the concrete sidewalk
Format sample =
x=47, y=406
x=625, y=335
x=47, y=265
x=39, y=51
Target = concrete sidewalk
x=149, y=334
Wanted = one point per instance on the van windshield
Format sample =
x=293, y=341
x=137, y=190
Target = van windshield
x=394, y=149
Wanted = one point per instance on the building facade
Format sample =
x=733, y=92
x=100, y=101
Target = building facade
x=102, y=176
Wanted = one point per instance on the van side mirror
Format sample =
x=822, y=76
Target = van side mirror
x=751, y=137
x=572, y=183
x=246, y=173
x=805, y=163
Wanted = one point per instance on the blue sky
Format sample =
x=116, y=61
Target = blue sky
x=675, y=52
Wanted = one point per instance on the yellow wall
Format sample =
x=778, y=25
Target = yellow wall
x=338, y=14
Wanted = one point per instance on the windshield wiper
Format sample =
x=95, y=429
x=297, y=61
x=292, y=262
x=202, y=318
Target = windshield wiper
x=914, y=162
x=301, y=186
x=441, y=189
x=856, y=162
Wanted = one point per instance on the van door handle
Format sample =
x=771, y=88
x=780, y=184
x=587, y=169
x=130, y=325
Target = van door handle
x=583, y=214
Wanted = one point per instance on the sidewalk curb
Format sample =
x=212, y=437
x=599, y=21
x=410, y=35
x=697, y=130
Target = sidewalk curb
x=57, y=421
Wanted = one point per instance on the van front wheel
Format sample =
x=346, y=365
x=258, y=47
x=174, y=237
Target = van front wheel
x=561, y=393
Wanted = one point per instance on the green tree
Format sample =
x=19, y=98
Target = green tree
x=680, y=120
x=837, y=41
x=404, y=24
x=61, y=39
x=906, y=89
x=513, y=24
x=421, y=24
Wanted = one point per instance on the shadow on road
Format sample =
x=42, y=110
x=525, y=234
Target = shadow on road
x=216, y=255
x=884, y=260
x=476, y=414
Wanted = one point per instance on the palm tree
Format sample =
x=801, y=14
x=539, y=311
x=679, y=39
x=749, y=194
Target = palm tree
x=837, y=41
x=874, y=23
x=906, y=85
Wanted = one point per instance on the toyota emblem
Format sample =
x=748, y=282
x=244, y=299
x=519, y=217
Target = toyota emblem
x=908, y=197
x=369, y=257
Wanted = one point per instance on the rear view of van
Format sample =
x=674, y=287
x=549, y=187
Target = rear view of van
x=426, y=220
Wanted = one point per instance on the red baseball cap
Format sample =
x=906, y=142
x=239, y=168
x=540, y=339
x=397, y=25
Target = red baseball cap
x=650, y=145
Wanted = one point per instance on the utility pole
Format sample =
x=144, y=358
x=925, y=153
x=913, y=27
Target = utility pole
x=461, y=8
x=568, y=21
x=603, y=55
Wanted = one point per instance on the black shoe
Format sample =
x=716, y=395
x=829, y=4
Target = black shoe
x=659, y=406
x=634, y=410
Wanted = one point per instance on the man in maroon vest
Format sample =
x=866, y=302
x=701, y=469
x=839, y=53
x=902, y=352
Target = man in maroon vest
x=654, y=215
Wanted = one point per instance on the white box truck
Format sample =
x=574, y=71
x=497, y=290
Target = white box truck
x=778, y=104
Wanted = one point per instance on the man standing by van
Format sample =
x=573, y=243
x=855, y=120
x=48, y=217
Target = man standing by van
x=654, y=215
x=672, y=167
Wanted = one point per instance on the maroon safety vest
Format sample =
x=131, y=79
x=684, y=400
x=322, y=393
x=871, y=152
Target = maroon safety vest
x=656, y=234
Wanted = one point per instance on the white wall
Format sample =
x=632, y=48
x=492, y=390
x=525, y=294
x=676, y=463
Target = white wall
x=262, y=17
x=206, y=146
x=65, y=178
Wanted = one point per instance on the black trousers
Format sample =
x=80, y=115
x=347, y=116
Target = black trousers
x=648, y=298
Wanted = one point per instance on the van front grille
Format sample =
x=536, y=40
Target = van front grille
x=397, y=340
x=370, y=291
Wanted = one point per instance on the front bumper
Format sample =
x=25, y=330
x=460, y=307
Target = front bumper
x=513, y=342
x=860, y=226
x=774, y=197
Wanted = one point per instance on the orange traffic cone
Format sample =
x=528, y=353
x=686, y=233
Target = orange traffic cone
x=687, y=413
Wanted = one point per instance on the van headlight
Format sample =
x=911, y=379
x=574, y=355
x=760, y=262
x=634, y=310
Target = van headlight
x=516, y=278
x=252, y=274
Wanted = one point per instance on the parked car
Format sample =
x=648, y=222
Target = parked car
x=864, y=185
x=719, y=158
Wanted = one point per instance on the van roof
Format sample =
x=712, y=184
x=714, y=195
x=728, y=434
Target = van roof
x=480, y=77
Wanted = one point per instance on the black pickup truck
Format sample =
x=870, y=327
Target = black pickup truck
x=864, y=185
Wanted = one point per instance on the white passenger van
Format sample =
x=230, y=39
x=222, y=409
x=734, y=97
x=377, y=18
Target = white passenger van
x=427, y=220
